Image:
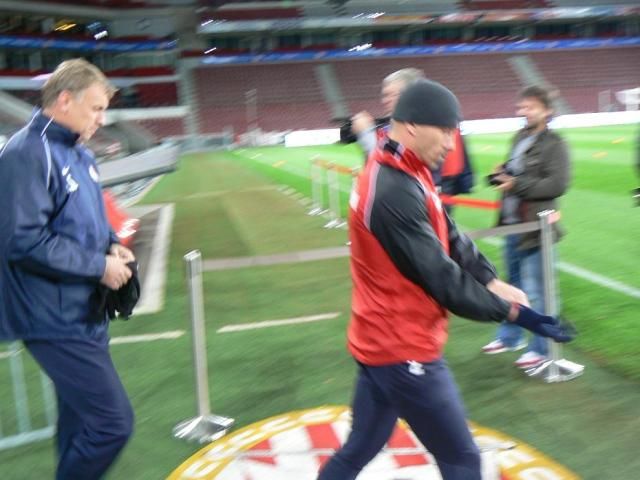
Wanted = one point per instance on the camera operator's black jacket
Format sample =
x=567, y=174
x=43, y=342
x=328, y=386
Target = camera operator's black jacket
x=545, y=177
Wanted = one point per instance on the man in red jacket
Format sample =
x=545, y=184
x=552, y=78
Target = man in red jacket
x=410, y=265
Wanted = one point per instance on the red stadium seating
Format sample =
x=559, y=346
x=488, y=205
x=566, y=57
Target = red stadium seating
x=157, y=94
x=580, y=75
x=480, y=79
x=141, y=71
x=163, y=127
x=606, y=68
x=106, y=3
x=290, y=97
x=257, y=13
x=503, y=4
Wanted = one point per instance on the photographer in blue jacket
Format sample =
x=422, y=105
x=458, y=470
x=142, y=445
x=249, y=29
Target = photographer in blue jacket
x=56, y=248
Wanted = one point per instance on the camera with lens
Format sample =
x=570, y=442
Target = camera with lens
x=492, y=179
x=348, y=136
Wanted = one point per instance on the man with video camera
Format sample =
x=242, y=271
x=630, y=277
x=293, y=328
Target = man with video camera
x=453, y=177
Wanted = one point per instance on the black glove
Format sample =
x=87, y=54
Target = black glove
x=125, y=299
x=121, y=301
x=544, y=325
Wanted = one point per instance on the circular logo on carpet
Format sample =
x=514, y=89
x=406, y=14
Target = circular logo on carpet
x=295, y=445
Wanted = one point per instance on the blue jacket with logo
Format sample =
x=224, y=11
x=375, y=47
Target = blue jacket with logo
x=53, y=235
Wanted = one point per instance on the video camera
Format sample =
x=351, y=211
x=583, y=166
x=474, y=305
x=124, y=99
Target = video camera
x=346, y=134
x=492, y=179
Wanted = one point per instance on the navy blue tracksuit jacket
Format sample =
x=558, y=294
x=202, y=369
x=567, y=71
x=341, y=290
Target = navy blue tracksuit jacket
x=53, y=236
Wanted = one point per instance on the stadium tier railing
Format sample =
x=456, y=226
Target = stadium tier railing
x=28, y=425
x=149, y=163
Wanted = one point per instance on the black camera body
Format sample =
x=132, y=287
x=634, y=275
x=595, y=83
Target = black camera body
x=492, y=179
x=346, y=133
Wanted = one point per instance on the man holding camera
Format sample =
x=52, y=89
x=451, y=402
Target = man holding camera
x=367, y=130
x=536, y=174
x=454, y=176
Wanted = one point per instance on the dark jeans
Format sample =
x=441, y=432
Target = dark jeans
x=95, y=418
x=426, y=396
x=525, y=271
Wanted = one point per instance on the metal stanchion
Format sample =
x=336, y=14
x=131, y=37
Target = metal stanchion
x=206, y=427
x=317, y=200
x=334, y=199
x=26, y=431
x=19, y=389
x=557, y=368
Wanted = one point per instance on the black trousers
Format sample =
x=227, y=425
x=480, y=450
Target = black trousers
x=425, y=395
x=95, y=418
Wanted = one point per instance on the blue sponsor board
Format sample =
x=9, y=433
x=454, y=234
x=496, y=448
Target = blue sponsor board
x=11, y=41
x=466, y=48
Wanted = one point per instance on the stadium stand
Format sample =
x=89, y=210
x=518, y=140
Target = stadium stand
x=590, y=3
x=503, y=4
x=106, y=3
x=156, y=94
x=480, y=83
x=580, y=75
x=257, y=13
x=163, y=127
x=359, y=7
x=289, y=95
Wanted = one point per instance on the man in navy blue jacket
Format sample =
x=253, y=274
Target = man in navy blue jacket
x=56, y=247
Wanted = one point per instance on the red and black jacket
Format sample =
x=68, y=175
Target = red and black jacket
x=409, y=264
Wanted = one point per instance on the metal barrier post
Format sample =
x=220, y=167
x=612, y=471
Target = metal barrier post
x=25, y=432
x=334, y=199
x=21, y=400
x=556, y=369
x=206, y=427
x=317, y=207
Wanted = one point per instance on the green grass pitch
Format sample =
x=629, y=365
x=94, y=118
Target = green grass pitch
x=228, y=205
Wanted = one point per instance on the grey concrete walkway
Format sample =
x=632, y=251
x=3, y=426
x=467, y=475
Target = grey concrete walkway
x=262, y=260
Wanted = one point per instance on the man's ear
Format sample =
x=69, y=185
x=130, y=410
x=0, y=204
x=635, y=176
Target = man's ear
x=64, y=100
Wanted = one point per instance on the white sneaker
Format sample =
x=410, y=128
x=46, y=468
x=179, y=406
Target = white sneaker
x=530, y=360
x=497, y=346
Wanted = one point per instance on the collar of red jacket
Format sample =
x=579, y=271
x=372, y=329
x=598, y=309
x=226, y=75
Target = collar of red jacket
x=398, y=156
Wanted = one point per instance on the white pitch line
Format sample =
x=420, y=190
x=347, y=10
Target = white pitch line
x=298, y=172
x=278, y=323
x=8, y=354
x=583, y=273
x=599, y=279
x=150, y=337
x=574, y=270
x=220, y=193
x=152, y=298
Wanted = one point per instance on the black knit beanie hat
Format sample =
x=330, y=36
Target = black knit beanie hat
x=426, y=102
